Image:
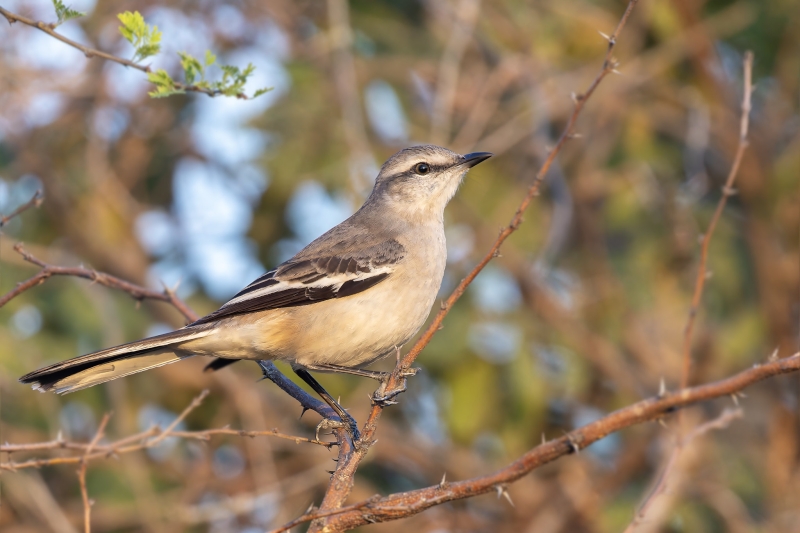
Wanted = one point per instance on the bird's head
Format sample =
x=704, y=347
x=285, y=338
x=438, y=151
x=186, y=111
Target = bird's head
x=422, y=179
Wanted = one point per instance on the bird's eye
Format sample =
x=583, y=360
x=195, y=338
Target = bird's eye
x=422, y=168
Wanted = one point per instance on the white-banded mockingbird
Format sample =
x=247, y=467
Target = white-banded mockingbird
x=354, y=295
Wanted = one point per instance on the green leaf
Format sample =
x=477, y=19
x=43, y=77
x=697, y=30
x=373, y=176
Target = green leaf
x=146, y=40
x=65, y=13
x=192, y=69
x=210, y=58
x=165, y=85
x=261, y=91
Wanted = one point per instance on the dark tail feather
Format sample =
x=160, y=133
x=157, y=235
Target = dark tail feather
x=218, y=364
x=98, y=367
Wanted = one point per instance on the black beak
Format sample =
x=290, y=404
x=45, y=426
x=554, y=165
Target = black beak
x=470, y=160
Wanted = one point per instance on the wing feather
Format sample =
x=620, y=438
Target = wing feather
x=310, y=280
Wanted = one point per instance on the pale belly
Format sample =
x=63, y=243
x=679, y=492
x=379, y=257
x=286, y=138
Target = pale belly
x=350, y=331
x=359, y=329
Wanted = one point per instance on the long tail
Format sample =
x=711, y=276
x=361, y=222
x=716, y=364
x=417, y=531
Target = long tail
x=112, y=363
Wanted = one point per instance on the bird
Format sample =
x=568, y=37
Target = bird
x=354, y=295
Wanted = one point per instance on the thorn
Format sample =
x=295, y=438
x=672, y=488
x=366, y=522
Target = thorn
x=310, y=508
x=443, y=305
x=502, y=491
x=575, y=97
x=331, y=472
x=606, y=37
x=443, y=482
x=740, y=394
x=773, y=356
x=301, y=412
x=544, y=440
x=662, y=423
x=662, y=388
x=709, y=274
x=735, y=400
x=615, y=71
x=574, y=445
x=729, y=191
x=575, y=135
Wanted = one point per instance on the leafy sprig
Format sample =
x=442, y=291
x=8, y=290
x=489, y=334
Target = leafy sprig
x=194, y=72
x=146, y=42
x=64, y=13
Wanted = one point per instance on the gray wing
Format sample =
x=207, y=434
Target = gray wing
x=305, y=280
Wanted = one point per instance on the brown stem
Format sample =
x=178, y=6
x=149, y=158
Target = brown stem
x=136, y=291
x=727, y=191
x=406, y=504
x=35, y=201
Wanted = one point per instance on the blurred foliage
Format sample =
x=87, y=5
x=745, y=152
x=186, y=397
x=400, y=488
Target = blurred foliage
x=584, y=312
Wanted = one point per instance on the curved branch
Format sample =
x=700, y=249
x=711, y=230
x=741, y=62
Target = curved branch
x=138, y=292
x=406, y=504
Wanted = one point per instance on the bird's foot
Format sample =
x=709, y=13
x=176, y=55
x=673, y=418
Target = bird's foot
x=349, y=425
x=384, y=398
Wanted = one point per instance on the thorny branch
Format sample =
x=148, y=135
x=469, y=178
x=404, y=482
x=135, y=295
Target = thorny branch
x=49, y=29
x=405, y=504
x=342, y=483
x=146, y=439
x=727, y=191
x=721, y=422
x=138, y=292
x=700, y=280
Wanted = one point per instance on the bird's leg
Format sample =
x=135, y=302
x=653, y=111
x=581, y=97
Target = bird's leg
x=348, y=421
x=373, y=374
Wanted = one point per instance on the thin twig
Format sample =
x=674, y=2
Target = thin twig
x=91, y=52
x=720, y=422
x=406, y=504
x=727, y=191
x=189, y=408
x=140, y=441
x=138, y=292
x=464, y=16
x=87, y=504
x=35, y=201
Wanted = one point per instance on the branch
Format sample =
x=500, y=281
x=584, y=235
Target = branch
x=35, y=201
x=138, y=292
x=140, y=441
x=91, y=52
x=699, y=285
x=727, y=191
x=345, y=469
x=406, y=504
x=87, y=504
x=721, y=422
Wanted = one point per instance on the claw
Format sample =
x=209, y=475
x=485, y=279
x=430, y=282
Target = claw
x=384, y=399
x=328, y=423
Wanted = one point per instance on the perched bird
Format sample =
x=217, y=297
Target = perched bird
x=352, y=296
